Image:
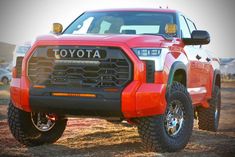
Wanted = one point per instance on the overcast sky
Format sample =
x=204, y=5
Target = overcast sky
x=23, y=20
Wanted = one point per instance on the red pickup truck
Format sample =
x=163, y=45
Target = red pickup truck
x=145, y=66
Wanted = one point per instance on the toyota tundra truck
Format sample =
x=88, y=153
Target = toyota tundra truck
x=144, y=66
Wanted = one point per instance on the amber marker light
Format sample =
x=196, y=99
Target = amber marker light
x=39, y=86
x=170, y=28
x=111, y=89
x=74, y=95
x=88, y=95
x=57, y=28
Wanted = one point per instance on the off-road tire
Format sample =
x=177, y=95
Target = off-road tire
x=25, y=132
x=207, y=120
x=152, y=129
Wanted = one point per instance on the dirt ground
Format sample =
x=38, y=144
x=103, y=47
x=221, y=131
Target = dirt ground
x=96, y=137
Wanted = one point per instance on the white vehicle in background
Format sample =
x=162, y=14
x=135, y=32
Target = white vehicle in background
x=5, y=76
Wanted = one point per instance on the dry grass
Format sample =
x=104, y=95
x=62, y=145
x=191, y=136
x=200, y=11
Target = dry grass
x=228, y=80
x=4, y=94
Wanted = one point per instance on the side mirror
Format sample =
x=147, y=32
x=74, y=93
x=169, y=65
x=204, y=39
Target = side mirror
x=57, y=28
x=198, y=37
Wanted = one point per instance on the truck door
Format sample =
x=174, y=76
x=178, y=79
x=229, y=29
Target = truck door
x=204, y=59
x=195, y=80
x=195, y=66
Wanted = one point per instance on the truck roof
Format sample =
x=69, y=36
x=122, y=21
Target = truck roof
x=136, y=9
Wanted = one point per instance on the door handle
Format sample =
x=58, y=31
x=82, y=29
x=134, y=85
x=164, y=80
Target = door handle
x=198, y=57
x=208, y=59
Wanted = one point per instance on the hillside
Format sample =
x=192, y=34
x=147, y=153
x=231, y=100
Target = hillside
x=227, y=65
x=6, y=51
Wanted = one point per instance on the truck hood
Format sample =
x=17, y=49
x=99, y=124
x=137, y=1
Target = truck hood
x=130, y=40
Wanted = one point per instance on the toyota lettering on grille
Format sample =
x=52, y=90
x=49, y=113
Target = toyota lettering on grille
x=78, y=53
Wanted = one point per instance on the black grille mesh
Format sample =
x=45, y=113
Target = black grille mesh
x=112, y=71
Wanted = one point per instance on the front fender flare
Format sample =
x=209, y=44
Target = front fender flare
x=178, y=65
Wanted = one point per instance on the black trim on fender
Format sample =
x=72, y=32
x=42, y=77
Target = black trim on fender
x=176, y=66
x=216, y=72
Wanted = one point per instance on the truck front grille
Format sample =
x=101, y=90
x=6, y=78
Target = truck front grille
x=56, y=66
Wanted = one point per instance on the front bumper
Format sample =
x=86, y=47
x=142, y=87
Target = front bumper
x=105, y=104
x=145, y=100
x=137, y=99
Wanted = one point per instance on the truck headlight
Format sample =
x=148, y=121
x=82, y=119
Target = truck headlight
x=155, y=54
x=144, y=52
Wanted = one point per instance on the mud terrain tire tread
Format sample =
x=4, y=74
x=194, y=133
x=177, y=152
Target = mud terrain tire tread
x=25, y=132
x=152, y=131
x=206, y=116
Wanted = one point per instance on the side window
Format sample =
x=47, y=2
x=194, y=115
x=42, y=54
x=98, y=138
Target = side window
x=191, y=25
x=185, y=33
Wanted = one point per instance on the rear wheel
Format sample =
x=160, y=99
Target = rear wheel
x=32, y=129
x=171, y=131
x=208, y=118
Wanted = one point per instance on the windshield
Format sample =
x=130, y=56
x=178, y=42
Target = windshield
x=125, y=22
